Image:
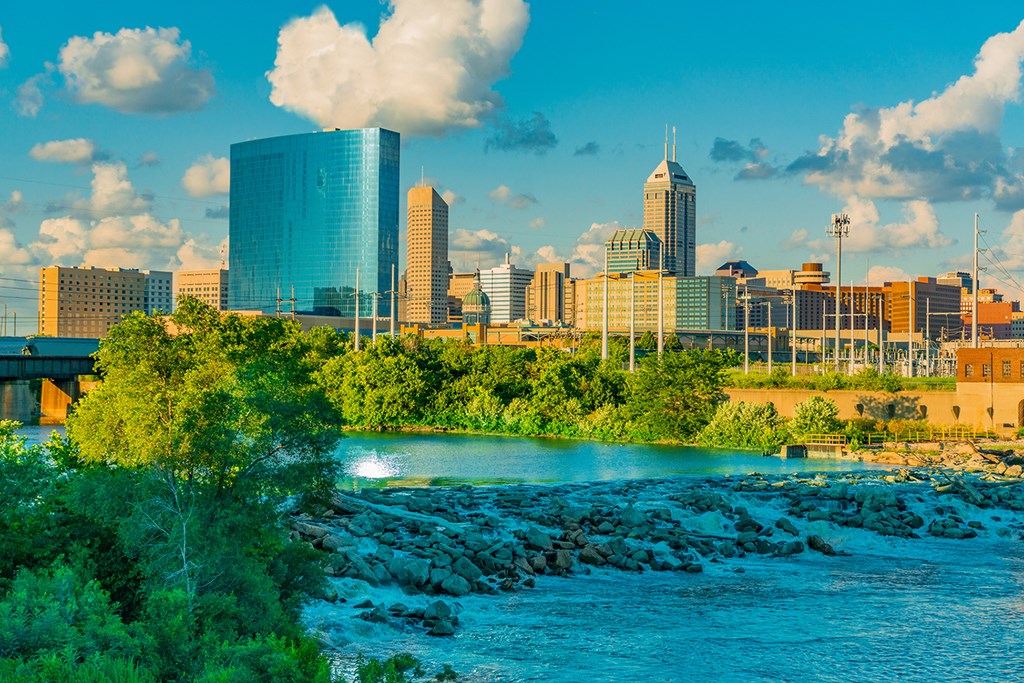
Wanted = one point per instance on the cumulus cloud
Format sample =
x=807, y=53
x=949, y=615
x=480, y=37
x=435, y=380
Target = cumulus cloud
x=114, y=226
x=796, y=240
x=879, y=275
x=529, y=135
x=504, y=195
x=469, y=249
x=135, y=71
x=757, y=172
x=4, y=50
x=919, y=228
x=12, y=253
x=72, y=151
x=1009, y=249
x=208, y=176
x=452, y=198
x=429, y=69
x=587, y=255
x=29, y=98
x=944, y=148
x=198, y=253
x=587, y=150
x=537, y=222
x=710, y=256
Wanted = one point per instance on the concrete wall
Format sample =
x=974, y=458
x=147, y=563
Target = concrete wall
x=16, y=402
x=940, y=408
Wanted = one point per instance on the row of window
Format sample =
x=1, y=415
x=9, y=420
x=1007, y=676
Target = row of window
x=986, y=369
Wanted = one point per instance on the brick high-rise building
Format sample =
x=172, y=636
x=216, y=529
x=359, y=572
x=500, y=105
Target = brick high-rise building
x=87, y=302
x=427, y=256
x=545, y=295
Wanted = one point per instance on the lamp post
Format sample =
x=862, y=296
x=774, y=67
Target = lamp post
x=838, y=228
x=792, y=334
x=746, y=330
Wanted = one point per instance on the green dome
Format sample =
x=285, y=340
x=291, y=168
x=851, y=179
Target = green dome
x=476, y=297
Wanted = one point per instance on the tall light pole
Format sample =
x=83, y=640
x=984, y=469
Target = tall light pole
x=661, y=303
x=792, y=333
x=357, y=310
x=746, y=330
x=769, y=302
x=838, y=228
x=974, y=287
x=394, y=311
x=604, y=312
x=632, y=322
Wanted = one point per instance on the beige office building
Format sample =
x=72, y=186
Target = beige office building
x=427, y=257
x=545, y=295
x=209, y=286
x=87, y=302
x=670, y=212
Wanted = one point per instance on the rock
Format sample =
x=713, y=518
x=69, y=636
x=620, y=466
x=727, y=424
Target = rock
x=539, y=563
x=437, y=577
x=787, y=526
x=819, y=544
x=310, y=530
x=441, y=628
x=746, y=537
x=1014, y=471
x=398, y=608
x=456, y=585
x=605, y=528
x=589, y=555
x=365, y=604
x=438, y=610
x=332, y=543
x=631, y=517
x=790, y=548
x=409, y=571
x=466, y=569
x=377, y=615
x=745, y=523
x=817, y=515
x=695, y=568
x=563, y=559
x=537, y=539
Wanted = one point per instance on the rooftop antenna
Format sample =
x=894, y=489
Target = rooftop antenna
x=223, y=253
x=673, y=143
x=666, y=141
x=422, y=181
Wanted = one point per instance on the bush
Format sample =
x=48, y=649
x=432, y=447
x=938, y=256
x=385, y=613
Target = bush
x=745, y=425
x=816, y=415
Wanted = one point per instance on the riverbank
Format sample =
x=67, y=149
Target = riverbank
x=407, y=561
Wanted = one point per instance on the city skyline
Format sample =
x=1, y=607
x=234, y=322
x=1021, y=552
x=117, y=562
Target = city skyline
x=118, y=140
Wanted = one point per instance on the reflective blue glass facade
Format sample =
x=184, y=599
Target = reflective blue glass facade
x=306, y=211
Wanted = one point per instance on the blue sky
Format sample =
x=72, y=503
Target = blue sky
x=541, y=122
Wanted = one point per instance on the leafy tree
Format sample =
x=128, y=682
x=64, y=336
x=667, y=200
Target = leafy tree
x=745, y=425
x=816, y=415
x=675, y=396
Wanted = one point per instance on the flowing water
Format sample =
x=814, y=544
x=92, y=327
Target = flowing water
x=893, y=610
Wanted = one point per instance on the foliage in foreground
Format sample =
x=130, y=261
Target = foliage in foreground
x=867, y=379
x=746, y=425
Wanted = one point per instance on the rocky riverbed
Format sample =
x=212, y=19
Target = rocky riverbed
x=438, y=545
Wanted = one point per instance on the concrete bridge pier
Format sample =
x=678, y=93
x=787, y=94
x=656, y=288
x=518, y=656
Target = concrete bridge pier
x=58, y=396
x=16, y=400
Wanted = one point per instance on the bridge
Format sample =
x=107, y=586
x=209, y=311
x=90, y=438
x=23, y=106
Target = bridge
x=59, y=361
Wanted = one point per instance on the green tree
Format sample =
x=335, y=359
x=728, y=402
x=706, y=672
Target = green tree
x=816, y=415
x=675, y=396
x=745, y=425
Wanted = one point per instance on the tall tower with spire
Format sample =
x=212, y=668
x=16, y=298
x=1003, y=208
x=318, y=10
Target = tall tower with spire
x=670, y=212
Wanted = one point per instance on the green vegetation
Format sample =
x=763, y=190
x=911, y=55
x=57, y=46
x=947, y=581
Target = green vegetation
x=150, y=544
x=410, y=382
x=867, y=379
x=746, y=425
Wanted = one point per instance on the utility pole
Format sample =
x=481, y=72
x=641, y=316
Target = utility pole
x=278, y=301
x=881, y=342
x=632, y=323
x=839, y=228
x=661, y=302
x=292, y=303
x=853, y=326
x=927, y=336
x=910, y=326
x=604, y=312
x=394, y=311
x=792, y=333
x=974, y=287
x=769, y=302
x=374, y=335
x=357, y=310
x=746, y=330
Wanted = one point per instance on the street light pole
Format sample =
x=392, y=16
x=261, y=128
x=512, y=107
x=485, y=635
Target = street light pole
x=632, y=323
x=604, y=312
x=769, y=302
x=746, y=330
x=839, y=228
x=792, y=334
x=974, y=287
x=661, y=303
x=357, y=310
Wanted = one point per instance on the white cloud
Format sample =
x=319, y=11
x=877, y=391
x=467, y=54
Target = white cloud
x=919, y=229
x=504, y=195
x=796, y=240
x=135, y=71
x=149, y=159
x=114, y=227
x=112, y=193
x=944, y=148
x=198, y=254
x=12, y=253
x=429, y=69
x=537, y=223
x=710, y=256
x=208, y=176
x=879, y=275
x=587, y=255
x=29, y=98
x=452, y=198
x=469, y=249
x=72, y=151
x=4, y=50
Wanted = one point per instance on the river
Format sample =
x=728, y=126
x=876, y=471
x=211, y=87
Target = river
x=893, y=609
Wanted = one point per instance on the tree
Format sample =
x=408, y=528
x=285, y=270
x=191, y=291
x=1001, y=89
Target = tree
x=816, y=415
x=674, y=396
x=745, y=425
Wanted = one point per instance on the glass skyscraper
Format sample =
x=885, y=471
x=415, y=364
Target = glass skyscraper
x=306, y=212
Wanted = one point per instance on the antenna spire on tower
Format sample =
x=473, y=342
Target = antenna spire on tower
x=673, y=143
x=666, y=141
